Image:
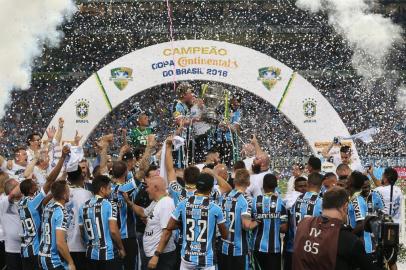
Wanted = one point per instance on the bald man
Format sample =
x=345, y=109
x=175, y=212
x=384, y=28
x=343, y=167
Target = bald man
x=260, y=167
x=157, y=215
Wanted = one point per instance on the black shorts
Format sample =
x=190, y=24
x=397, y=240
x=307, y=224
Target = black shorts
x=13, y=261
x=267, y=260
x=80, y=261
x=103, y=265
x=131, y=261
x=30, y=263
x=227, y=262
x=287, y=260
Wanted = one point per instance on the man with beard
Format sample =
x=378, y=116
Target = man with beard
x=260, y=167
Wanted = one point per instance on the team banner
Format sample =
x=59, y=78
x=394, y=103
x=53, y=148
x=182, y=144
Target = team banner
x=206, y=60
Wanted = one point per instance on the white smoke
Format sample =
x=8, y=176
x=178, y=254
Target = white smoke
x=370, y=36
x=26, y=26
x=401, y=99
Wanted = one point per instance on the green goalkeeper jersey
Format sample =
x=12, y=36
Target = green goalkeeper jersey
x=139, y=136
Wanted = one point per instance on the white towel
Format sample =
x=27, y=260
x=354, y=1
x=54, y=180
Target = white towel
x=73, y=159
x=162, y=166
x=365, y=136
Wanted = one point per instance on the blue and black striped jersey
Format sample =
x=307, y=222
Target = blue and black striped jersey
x=180, y=193
x=308, y=204
x=126, y=218
x=199, y=218
x=374, y=202
x=30, y=209
x=271, y=213
x=235, y=205
x=94, y=216
x=54, y=218
x=357, y=211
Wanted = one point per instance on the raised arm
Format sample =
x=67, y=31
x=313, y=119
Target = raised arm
x=138, y=210
x=258, y=148
x=144, y=162
x=170, y=170
x=105, y=142
x=58, y=135
x=326, y=150
x=2, y=159
x=370, y=172
x=223, y=185
x=56, y=170
x=30, y=167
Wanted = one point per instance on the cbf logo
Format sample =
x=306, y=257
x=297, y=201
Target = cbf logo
x=310, y=110
x=121, y=76
x=269, y=76
x=82, y=110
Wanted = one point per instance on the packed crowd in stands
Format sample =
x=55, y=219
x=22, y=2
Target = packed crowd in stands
x=107, y=202
x=102, y=32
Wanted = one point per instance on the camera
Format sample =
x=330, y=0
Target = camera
x=386, y=235
x=336, y=140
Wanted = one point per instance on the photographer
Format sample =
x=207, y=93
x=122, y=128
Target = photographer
x=392, y=203
x=325, y=242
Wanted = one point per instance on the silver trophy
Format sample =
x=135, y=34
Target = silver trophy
x=213, y=96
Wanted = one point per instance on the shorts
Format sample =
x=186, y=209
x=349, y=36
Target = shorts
x=233, y=262
x=184, y=265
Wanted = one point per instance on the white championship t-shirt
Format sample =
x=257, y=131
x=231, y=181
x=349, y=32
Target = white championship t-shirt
x=157, y=221
x=41, y=175
x=10, y=221
x=16, y=172
x=256, y=184
x=290, y=198
x=78, y=196
x=396, y=200
x=355, y=165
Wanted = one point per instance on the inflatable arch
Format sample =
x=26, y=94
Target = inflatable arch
x=203, y=60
